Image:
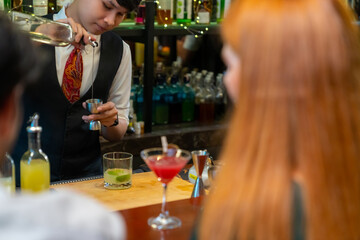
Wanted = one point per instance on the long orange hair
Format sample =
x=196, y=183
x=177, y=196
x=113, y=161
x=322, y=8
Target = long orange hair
x=298, y=111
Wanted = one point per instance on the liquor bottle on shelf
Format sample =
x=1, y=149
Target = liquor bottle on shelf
x=220, y=98
x=132, y=119
x=7, y=174
x=160, y=97
x=188, y=100
x=140, y=104
x=222, y=7
x=198, y=89
x=40, y=7
x=202, y=11
x=5, y=5
x=219, y=7
x=51, y=6
x=183, y=12
x=139, y=52
x=175, y=106
x=140, y=13
x=193, y=78
x=135, y=88
x=139, y=97
x=215, y=10
x=61, y=3
x=17, y=5
x=34, y=164
x=225, y=8
x=164, y=13
x=207, y=102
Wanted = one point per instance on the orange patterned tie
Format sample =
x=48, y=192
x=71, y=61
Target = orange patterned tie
x=72, y=76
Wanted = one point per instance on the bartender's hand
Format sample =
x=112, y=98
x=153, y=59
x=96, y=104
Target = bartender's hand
x=80, y=33
x=108, y=115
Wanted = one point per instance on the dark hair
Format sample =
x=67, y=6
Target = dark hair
x=18, y=63
x=130, y=5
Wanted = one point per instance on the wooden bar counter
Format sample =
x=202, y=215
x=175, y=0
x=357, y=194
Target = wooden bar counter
x=186, y=210
x=142, y=201
x=145, y=190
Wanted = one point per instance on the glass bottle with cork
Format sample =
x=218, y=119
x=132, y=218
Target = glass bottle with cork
x=34, y=164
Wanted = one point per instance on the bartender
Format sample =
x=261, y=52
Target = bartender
x=74, y=74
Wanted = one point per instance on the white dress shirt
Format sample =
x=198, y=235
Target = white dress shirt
x=57, y=216
x=121, y=85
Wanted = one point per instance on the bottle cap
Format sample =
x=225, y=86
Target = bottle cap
x=34, y=124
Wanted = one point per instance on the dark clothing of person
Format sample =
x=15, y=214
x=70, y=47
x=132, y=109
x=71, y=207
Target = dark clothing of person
x=73, y=150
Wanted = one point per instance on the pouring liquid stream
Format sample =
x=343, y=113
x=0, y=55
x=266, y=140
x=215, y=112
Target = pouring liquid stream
x=92, y=73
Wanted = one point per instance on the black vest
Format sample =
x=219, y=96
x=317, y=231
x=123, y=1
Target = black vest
x=73, y=150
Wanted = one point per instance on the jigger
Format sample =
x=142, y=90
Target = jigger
x=199, y=158
x=92, y=105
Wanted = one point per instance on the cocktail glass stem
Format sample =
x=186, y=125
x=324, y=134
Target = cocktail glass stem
x=163, y=206
x=164, y=221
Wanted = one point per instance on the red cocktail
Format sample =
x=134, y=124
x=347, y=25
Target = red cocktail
x=165, y=165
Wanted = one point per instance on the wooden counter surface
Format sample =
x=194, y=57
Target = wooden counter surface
x=186, y=210
x=145, y=190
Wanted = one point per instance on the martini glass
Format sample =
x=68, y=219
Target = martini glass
x=166, y=165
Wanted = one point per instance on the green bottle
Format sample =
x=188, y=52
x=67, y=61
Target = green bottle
x=183, y=12
x=5, y=5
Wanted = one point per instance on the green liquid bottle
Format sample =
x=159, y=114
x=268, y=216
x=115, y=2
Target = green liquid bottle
x=188, y=102
x=5, y=5
x=160, y=96
x=183, y=12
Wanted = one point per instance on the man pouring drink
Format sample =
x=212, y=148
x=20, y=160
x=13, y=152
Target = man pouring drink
x=74, y=74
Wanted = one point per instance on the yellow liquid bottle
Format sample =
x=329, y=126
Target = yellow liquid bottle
x=34, y=164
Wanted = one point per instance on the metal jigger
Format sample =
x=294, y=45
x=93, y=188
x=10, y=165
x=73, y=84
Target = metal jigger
x=199, y=158
x=91, y=106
